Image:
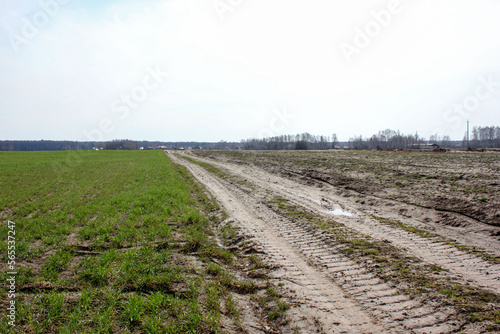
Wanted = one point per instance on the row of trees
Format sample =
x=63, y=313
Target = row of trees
x=485, y=137
x=302, y=141
x=121, y=144
x=43, y=145
x=482, y=137
x=387, y=139
x=64, y=145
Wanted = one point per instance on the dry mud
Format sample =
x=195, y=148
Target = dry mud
x=334, y=293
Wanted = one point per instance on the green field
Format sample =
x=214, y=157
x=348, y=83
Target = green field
x=114, y=241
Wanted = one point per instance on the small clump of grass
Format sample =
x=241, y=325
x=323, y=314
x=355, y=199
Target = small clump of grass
x=272, y=303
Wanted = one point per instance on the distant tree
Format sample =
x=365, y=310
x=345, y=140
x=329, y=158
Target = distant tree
x=122, y=144
x=446, y=141
x=335, y=140
x=386, y=139
x=485, y=137
x=434, y=138
x=301, y=145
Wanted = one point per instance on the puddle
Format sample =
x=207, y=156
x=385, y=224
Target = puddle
x=340, y=212
x=335, y=212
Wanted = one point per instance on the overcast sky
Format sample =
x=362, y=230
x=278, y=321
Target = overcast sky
x=211, y=70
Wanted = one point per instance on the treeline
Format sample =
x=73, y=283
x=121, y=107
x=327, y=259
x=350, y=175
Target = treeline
x=43, y=145
x=481, y=137
x=302, y=141
x=222, y=145
x=118, y=144
x=485, y=137
x=66, y=145
x=387, y=139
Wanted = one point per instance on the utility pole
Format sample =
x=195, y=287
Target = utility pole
x=468, y=146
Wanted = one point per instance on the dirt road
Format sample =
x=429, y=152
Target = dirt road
x=333, y=292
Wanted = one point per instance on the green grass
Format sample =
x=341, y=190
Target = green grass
x=272, y=303
x=113, y=241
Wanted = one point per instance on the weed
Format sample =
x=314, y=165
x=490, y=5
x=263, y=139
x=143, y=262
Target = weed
x=133, y=309
x=56, y=263
x=231, y=308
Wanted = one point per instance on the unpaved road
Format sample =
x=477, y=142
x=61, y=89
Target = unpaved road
x=333, y=293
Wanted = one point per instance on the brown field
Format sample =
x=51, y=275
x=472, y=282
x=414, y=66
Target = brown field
x=454, y=184
x=369, y=241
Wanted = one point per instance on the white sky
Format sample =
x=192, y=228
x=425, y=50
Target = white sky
x=229, y=78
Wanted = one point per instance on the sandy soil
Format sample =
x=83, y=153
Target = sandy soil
x=332, y=292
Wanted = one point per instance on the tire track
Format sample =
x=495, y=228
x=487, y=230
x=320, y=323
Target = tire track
x=319, y=299
x=331, y=288
x=470, y=268
x=398, y=312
